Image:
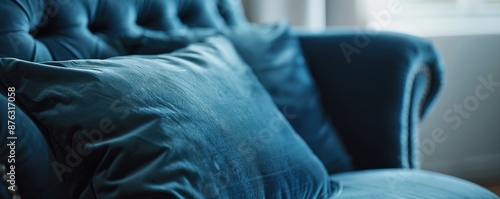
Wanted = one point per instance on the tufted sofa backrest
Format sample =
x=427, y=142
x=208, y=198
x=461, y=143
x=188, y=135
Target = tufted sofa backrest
x=45, y=30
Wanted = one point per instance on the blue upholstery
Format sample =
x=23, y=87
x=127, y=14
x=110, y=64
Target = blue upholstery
x=195, y=123
x=274, y=54
x=375, y=97
x=43, y=30
x=378, y=97
x=100, y=29
x=407, y=184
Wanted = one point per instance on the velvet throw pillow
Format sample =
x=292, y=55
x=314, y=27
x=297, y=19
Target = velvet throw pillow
x=192, y=124
x=275, y=56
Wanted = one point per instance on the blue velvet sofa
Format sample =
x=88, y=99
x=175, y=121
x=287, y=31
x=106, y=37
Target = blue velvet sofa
x=375, y=88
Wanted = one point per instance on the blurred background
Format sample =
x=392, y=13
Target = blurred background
x=467, y=35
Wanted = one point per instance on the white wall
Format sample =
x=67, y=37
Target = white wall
x=472, y=148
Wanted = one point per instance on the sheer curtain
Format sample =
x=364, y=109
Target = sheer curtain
x=312, y=14
x=412, y=16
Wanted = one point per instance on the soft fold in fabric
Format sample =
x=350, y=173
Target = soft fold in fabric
x=194, y=124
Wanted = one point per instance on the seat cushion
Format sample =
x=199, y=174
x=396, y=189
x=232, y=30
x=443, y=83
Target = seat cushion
x=406, y=183
x=192, y=124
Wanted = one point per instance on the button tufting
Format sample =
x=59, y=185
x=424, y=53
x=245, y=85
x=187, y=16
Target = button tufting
x=55, y=29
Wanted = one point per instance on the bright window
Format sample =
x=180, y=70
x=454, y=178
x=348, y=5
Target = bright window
x=446, y=17
x=451, y=8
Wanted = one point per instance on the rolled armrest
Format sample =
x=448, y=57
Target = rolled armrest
x=376, y=87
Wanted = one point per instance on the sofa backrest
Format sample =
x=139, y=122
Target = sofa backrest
x=45, y=30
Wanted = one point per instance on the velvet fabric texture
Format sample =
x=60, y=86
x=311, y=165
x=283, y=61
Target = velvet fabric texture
x=275, y=57
x=194, y=124
x=47, y=30
x=38, y=30
x=377, y=96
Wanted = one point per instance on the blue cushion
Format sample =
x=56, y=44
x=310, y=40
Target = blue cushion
x=276, y=58
x=34, y=176
x=406, y=183
x=274, y=55
x=195, y=124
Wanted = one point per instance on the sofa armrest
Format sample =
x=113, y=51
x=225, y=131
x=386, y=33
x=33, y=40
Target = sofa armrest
x=376, y=87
